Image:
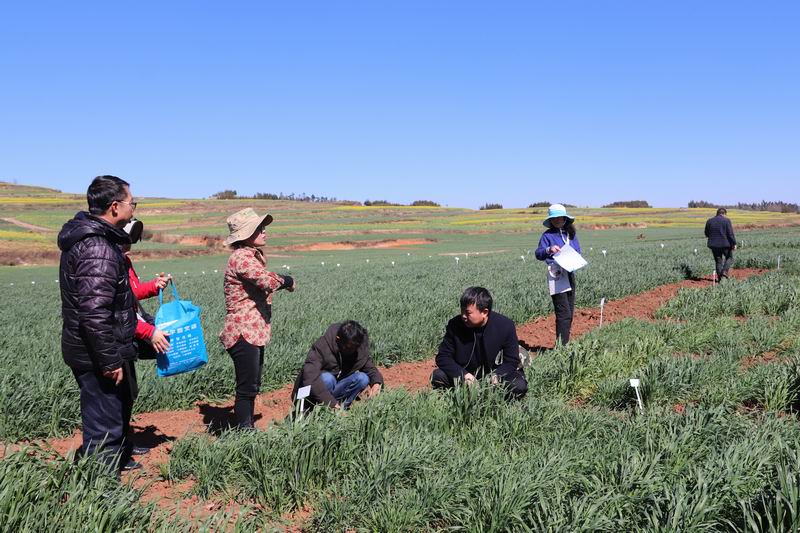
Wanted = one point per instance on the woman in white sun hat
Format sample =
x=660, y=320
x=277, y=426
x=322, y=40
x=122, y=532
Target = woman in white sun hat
x=248, y=304
x=560, y=231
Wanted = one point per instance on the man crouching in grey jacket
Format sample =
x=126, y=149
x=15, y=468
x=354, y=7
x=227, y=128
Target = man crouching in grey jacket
x=339, y=366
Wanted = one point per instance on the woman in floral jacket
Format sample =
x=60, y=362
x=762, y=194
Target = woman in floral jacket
x=248, y=304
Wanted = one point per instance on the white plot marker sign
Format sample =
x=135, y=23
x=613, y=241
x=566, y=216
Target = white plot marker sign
x=779, y=262
x=602, y=305
x=604, y=252
x=636, y=384
x=302, y=394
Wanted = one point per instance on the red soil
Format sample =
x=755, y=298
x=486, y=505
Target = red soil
x=160, y=429
x=353, y=245
x=540, y=333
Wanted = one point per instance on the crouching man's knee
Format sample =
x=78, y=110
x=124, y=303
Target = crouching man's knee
x=516, y=385
x=440, y=380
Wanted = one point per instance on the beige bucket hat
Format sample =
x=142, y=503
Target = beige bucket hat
x=242, y=224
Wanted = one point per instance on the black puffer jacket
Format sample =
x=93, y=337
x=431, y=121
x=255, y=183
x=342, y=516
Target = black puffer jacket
x=97, y=304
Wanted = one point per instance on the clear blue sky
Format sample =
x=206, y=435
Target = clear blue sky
x=454, y=101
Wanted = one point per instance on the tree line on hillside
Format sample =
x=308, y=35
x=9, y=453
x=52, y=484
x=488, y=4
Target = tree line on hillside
x=230, y=194
x=629, y=203
x=775, y=207
x=548, y=204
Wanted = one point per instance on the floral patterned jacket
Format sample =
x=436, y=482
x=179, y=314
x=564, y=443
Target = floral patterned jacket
x=248, y=298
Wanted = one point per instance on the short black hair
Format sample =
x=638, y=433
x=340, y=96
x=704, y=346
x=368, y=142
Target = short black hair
x=478, y=296
x=351, y=332
x=722, y=211
x=104, y=191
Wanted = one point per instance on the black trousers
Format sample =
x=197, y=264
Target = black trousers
x=723, y=259
x=106, y=414
x=564, y=307
x=248, y=360
x=515, y=382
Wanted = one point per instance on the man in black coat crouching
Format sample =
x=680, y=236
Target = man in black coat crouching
x=479, y=343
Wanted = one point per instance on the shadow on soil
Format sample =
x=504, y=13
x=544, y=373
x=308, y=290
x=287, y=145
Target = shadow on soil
x=151, y=437
x=219, y=419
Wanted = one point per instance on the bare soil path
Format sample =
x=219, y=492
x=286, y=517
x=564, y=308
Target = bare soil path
x=25, y=225
x=159, y=430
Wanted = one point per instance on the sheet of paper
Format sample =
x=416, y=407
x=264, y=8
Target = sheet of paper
x=569, y=259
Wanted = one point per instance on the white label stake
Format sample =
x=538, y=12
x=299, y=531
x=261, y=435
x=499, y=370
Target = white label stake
x=635, y=384
x=602, y=305
x=779, y=262
x=302, y=394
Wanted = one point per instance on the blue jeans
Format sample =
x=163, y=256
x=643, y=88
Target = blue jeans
x=345, y=390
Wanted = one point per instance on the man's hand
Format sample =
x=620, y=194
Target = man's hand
x=160, y=341
x=372, y=391
x=469, y=379
x=554, y=249
x=495, y=379
x=162, y=280
x=116, y=375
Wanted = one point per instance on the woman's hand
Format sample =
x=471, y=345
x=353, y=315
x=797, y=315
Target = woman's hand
x=162, y=280
x=554, y=249
x=160, y=341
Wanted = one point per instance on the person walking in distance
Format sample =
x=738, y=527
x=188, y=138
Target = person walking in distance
x=721, y=240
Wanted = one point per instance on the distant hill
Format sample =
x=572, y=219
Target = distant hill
x=13, y=189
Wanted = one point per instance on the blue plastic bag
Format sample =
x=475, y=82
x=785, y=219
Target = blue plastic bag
x=180, y=320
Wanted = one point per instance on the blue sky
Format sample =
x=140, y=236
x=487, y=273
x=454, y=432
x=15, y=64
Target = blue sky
x=458, y=102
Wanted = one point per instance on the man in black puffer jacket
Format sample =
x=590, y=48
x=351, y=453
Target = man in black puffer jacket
x=97, y=307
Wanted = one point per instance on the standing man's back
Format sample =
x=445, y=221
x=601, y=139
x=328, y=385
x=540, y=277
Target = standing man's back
x=97, y=308
x=721, y=241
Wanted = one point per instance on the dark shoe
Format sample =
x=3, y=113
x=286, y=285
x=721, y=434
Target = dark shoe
x=140, y=450
x=131, y=465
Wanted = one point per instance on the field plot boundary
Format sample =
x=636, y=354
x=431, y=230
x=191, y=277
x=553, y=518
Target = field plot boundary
x=160, y=429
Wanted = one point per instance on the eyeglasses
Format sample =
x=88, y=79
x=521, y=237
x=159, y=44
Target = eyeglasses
x=132, y=204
